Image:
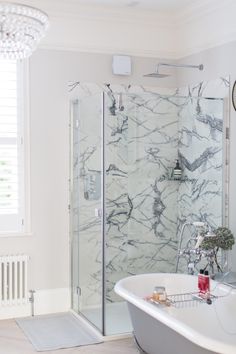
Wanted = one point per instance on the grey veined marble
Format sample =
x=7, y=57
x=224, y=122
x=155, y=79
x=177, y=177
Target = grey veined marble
x=145, y=131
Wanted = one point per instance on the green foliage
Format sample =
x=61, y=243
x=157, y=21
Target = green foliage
x=224, y=239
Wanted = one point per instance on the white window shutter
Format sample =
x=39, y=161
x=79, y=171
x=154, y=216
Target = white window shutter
x=11, y=149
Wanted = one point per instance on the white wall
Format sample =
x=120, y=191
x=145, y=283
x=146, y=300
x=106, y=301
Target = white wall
x=218, y=62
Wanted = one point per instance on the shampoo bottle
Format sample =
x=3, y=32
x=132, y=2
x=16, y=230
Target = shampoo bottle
x=206, y=282
x=177, y=172
x=201, y=280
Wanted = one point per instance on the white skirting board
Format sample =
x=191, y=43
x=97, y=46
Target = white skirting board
x=45, y=302
x=14, y=311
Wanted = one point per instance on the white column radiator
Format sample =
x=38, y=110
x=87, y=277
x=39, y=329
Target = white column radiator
x=13, y=280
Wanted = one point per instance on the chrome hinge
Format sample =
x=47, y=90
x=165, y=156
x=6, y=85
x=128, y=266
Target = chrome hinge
x=78, y=291
x=227, y=133
x=77, y=123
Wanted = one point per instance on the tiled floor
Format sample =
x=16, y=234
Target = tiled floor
x=13, y=341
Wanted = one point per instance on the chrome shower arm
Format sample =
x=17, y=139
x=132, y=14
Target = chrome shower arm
x=199, y=67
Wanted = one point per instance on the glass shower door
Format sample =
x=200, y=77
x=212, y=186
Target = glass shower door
x=140, y=140
x=86, y=208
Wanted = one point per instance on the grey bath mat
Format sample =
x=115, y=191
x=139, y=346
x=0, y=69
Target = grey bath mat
x=58, y=331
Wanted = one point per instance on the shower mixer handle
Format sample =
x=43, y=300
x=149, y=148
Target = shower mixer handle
x=193, y=253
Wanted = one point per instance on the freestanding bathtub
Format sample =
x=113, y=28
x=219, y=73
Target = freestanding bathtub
x=190, y=328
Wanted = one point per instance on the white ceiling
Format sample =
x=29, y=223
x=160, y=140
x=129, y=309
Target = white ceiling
x=158, y=5
x=154, y=7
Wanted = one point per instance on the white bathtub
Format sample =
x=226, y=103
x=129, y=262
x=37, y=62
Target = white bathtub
x=200, y=329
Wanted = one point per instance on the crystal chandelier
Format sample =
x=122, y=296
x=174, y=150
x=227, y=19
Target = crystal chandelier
x=21, y=29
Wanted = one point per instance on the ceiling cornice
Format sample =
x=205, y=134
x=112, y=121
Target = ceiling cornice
x=203, y=8
x=74, y=9
x=115, y=15
x=113, y=50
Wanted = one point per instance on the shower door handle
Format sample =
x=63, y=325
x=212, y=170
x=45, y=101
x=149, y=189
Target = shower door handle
x=98, y=212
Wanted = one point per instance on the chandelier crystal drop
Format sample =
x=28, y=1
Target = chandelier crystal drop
x=21, y=29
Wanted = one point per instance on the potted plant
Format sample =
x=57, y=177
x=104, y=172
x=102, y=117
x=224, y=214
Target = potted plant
x=223, y=240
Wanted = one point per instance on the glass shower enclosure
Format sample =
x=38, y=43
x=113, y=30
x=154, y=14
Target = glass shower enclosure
x=87, y=205
x=126, y=210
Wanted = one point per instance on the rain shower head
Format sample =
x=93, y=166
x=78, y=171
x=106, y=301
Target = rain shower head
x=157, y=75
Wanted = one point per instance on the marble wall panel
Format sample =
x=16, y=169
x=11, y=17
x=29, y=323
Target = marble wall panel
x=202, y=156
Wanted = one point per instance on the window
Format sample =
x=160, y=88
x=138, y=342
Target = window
x=13, y=133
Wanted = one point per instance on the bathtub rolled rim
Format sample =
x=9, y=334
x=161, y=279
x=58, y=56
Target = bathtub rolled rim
x=169, y=320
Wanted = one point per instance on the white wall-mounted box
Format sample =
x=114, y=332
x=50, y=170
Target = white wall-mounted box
x=121, y=65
